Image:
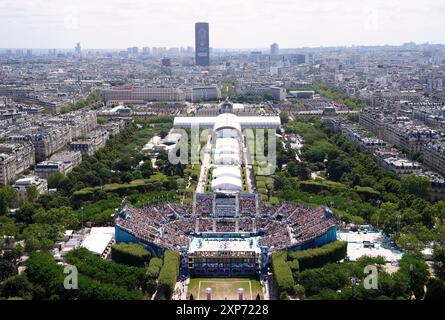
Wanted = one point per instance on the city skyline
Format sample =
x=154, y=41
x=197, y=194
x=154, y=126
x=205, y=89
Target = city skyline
x=256, y=24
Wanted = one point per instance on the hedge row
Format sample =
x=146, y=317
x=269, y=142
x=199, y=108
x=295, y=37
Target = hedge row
x=315, y=187
x=367, y=193
x=106, y=271
x=48, y=277
x=318, y=257
x=154, y=268
x=130, y=254
x=168, y=275
x=125, y=189
x=261, y=184
x=152, y=275
x=282, y=274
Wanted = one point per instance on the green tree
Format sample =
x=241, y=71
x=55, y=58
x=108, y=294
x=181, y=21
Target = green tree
x=386, y=217
x=299, y=291
x=55, y=180
x=298, y=169
x=25, y=212
x=8, y=227
x=31, y=193
x=419, y=186
x=409, y=242
x=41, y=236
x=439, y=257
x=7, y=268
x=414, y=267
x=17, y=286
x=63, y=216
x=331, y=276
x=336, y=168
x=8, y=198
x=146, y=169
x=284, y=117
x=435, y=290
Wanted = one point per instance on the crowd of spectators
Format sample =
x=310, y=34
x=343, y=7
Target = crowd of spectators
x=173, y=237
x=225, y=226
x=285, y=210
x=143, y=223
x=185, y=225
x=277, y=235
x=165, y=210
x=266, y=211
x=307, y=224
x=184, y=210
x=204, y=206
x=205, y=225
x=247, y=206
x=282, y=226
x=245, y=225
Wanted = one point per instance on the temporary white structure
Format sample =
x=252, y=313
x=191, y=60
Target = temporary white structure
x=226, y=183
x=228, y=120
x=227, y=159
x=226, y=171
x=227, y=140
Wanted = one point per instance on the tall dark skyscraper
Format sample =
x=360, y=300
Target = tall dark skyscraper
x=78, y=49
x=202, y=54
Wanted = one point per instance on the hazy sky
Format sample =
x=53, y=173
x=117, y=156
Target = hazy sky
x=233, y=23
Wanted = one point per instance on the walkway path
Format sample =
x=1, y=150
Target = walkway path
x=204, y=166
x=248, y=168
x=180, y=292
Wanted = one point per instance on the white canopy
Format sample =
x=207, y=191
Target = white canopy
x=227, y=120
x=227, y=158
x=226, y=150
x=242, y=122
x=226, y=184
x=226, y=142
x=226, y=171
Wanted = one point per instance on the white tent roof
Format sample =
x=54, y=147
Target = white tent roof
x=227, y=120
x=226, y=171
x=226, y=150
x=227, y=133
x=226, y=142
x=227, y=184
x=243, y=122
x=227, y=158
x=261, y=122
x=98, y=239
x=187, y=122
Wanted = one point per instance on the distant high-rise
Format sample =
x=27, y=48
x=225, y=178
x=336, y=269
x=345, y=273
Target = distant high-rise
x=146, y=50
x=274, y=49
x=202, y=51
x=300, y=58
x=133, y=50
x=78, y=49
